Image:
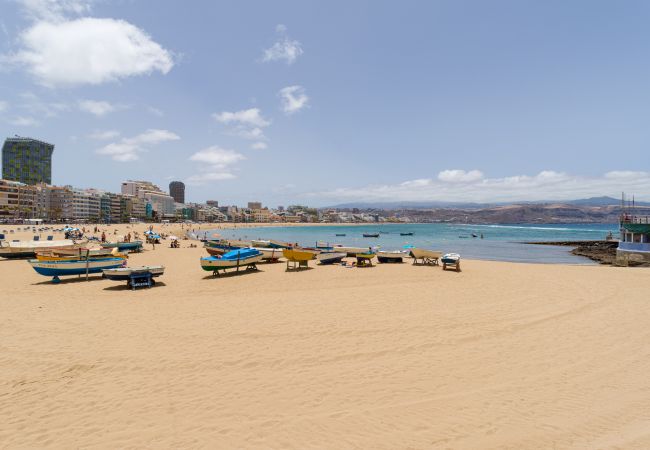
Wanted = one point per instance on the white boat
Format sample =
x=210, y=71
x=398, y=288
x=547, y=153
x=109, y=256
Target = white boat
x=269, y=254
x=394, y=256
x=25, y=249
x=123, y=273
x=351, y=251
x=451, y=259
x=260, y=243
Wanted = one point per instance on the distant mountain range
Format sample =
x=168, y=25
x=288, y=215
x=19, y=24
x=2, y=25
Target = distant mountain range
x=593, y=201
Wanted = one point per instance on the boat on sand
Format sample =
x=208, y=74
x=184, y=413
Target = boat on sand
x=244, y=257
x=124, y=273
x=394, y=256
x=75, y=266
x=425, y=256
x=28, y=249
x=331, y=257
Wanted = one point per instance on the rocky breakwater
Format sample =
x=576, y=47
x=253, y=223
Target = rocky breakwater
x=603, y=252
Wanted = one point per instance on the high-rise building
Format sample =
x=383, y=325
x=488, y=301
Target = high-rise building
x=254, y=205
x=158, y=201
x=17, y=200
x=177, y=190
x=27, y=160
x=213, y=203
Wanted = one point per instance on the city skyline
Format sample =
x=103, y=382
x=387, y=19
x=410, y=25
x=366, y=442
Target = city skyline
x=487, y=102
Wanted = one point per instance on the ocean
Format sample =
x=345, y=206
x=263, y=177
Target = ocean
x=499, y=243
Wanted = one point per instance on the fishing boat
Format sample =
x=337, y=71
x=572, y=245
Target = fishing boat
x=406, y=234
x=278, y=244
x=351, y=251
x=299, y=257
x=269, y=254
x=260, y=243
x=75, y=266
x=243, y=257
x=394, y=256
x=28, y=249
x=81, y=254
x=371, y=235
x=451, y=259
x=124, y=273
x=331, y=257
x=340, y=234
x=425, y=256
x=365, y=259
x=324, y=246
x=134, y=246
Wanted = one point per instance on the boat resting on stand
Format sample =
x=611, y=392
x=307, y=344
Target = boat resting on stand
x=56, y=269
x=133, y=246
x=28, y=249
x=244, y=257
x=425, y=257
x=331, y=257
x=395, y=256
x=451, y=259
x=298, y=258
x=365, y=259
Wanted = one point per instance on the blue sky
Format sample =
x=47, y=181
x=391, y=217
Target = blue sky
x=329, y=102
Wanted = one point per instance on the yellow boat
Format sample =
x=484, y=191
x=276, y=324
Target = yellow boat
x=299, y=254
x=299, y=257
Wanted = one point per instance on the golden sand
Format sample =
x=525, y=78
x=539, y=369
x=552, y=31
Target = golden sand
x=394, y=356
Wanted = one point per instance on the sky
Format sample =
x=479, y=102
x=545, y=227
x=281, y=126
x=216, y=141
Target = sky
x=320, y=103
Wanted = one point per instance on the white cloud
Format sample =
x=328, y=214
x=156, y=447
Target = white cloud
x=284, y=48
x=98, y=108
x=3, y=106
x=247, y=123
x=472, y=186
x=23, y=121
x=216, y=164
x=259, y=146
x=155, y=111
x=128, y=149
x=248, y=117
x=88, y=51
x=460, y=176
x=53, y=10
x=104, y=135
x=293, y=99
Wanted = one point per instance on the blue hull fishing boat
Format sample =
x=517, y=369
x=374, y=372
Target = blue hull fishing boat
x=245, y=257
x=122, y=246
x=67, y=267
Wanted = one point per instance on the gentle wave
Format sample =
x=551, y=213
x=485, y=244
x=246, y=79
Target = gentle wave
x=519, y=227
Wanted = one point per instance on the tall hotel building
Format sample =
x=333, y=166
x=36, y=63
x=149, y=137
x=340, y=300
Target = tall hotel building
x=27, y=160
x=177, y=190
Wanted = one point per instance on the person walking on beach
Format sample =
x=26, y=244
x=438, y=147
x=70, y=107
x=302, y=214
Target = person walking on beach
x=103, y=237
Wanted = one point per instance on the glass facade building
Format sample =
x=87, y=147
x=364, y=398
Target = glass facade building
x=27, y=160
x=177, y=190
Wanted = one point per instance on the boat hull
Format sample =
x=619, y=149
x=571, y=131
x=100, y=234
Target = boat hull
x=331, y=258
x=299, y=255
x=121, y=246
x=74, y=267
x=124, y=273
x=212, y=265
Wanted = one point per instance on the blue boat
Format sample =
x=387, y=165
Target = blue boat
x=134, y=246
x=235, y=258
x=60, y=268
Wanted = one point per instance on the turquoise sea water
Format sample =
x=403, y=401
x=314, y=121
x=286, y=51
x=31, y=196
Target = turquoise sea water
x=500, y=242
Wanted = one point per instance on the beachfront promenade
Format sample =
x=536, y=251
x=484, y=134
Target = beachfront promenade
x=394, y=356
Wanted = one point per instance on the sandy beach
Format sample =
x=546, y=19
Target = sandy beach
x=395, y=356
